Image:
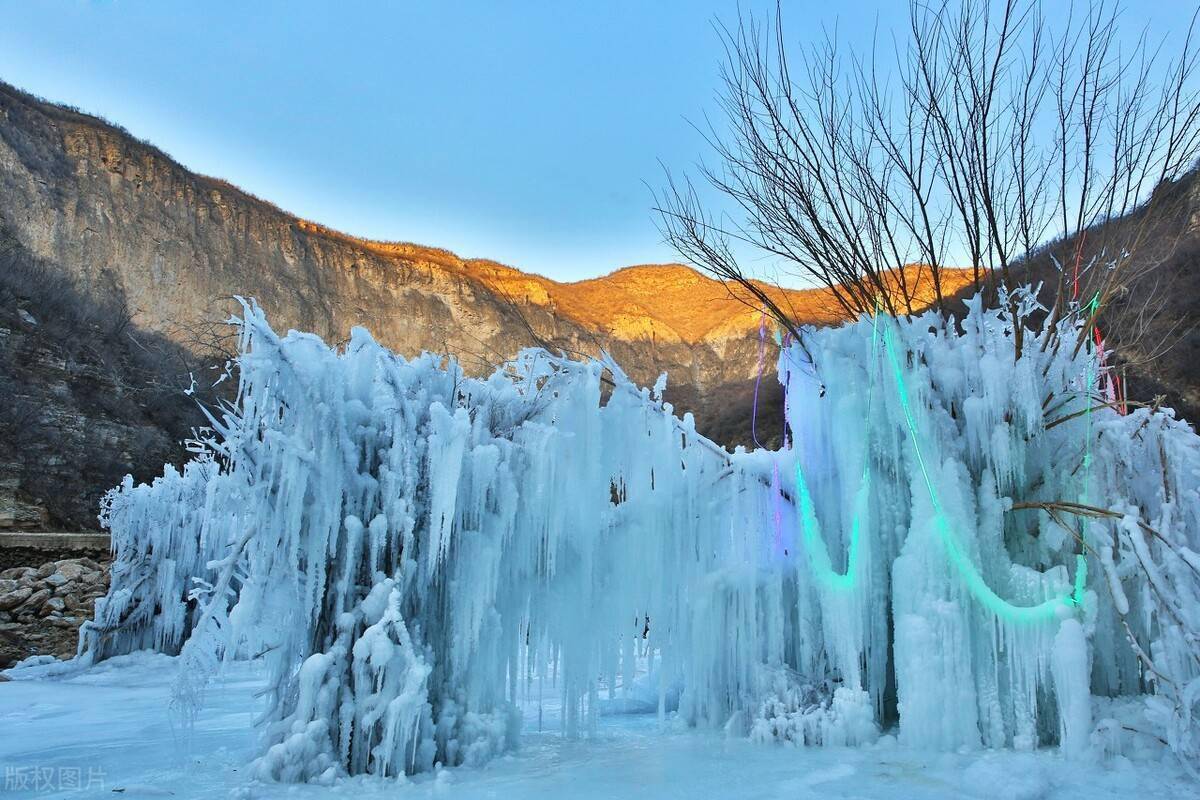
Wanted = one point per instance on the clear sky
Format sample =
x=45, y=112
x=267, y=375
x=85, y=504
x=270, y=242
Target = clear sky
x=526, y=132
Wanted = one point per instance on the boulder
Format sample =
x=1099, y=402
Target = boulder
x=16, y=573
x=15, y=598
x=41, y=608
x=70, y=569
x=35, y=601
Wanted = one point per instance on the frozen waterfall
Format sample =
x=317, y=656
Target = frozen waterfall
x=415, y=552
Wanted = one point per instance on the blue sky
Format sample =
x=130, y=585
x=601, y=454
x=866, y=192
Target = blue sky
x=525, y=132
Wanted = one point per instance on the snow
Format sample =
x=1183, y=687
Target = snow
x=418, y=557
x=109, y=723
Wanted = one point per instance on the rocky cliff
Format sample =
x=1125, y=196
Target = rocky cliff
x=85, y=396
x=123, y=217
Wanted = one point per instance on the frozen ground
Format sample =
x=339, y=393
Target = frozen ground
x=110, y=727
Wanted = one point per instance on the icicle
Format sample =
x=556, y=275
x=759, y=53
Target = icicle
x=410, y=550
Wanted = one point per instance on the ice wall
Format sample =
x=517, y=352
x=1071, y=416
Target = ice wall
x=415, y=552
x=970, y=494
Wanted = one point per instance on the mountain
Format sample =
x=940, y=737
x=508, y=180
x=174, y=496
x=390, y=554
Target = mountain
x=116, y=224
x=123, y=218
x=1152, y=326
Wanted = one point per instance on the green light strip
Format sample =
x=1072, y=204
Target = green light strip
x=819, y=553
x=1047, y=610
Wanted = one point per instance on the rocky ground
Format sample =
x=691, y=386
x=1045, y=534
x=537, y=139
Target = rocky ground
x=41, y=608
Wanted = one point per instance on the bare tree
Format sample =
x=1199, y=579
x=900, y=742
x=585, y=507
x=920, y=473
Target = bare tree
x=1024, y=149
x=985, y=138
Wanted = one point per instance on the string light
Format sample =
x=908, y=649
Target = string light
x=817, y=548
x=818, y=551
x=1047, y=610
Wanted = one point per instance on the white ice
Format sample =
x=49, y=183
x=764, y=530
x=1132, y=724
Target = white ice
x=109, y=724
x=417, y=554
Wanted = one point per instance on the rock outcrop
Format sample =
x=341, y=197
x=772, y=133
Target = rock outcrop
x=85, y=397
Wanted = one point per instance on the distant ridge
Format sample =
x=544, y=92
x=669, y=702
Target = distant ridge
x=669, y=300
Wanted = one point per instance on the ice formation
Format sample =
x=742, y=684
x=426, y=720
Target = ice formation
x=952, y=540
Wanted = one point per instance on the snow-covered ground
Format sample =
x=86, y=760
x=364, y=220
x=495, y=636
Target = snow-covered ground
x=109, y=732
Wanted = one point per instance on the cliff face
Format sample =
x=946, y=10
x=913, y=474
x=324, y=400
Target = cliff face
x=85, y=397
x=122, y=217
